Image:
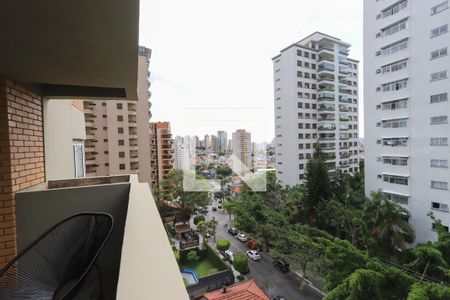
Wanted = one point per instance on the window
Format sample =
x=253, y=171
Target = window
x=119, y=118
x=439, y=120
x=392, y=10
x=394, y=28
x=439, y=98
x=395, y=47
x=122, y=166
x=440, y=30
x=397, y=198
x=397, y=123
x=78, y=158
x=394, y=105
x=439, y=206
x=438, y=8
x=121, y=154
x=439, y=185
x=105, y=128
x=439, y=141
x=394, y=67
x=301, y=166
x=395, y=161
x=120, y=130
x=439, y=163
x=438, y=75
x=105, y=140
x=395, y=86
x=395, y=179
x=103, y=103
x=395, y=142
x=439, y=53
x=104, y=116
x=121, y=142
x=105, y=152
x=119, y=105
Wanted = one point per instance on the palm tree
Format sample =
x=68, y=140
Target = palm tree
x=386, y=221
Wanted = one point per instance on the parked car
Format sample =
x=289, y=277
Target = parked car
x=214, y=208
x=232, y=231
x=229, y=255
x=219, y=206
x=279, y=298
x=281, y=265
x=253, y=254
x=252, y=244
x=242, y=237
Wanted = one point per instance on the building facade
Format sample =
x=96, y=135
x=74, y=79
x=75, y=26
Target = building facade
x=222, y=137
x=316, y=104
x=406, y=107
x=117, y=132
x=242, y=150
x=161, y=145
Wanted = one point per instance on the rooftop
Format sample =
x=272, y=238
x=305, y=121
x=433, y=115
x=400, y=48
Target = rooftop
x=246, y=290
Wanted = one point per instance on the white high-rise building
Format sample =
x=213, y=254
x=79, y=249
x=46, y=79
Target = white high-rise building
x=242, y=149
x=316, y=102
x=406, y=107
x=222, y=142
x=184, y=152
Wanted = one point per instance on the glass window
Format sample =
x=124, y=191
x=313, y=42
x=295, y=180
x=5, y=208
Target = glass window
x=438, y=8
x=440, y=30
x=439, y=185
x=439, y=53
x=439, y=98
x=439, y=120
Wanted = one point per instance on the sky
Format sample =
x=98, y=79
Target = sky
x=211, y=66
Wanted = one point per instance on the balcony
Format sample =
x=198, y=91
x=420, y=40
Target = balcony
x=137, y=258
x=343, y=118
x=327, y=136
x=344, y=108
x=326, y=87
x=327, y=126
x=326, y=107
x=326, y=79
x=324, y=96
x=326, y=117
x=344, y=70
x=326, y=67
x=345, y=99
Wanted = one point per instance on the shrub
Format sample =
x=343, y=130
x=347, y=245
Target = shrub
x=177, y=256
x=240, y=263
x=223, y=245
x=198, y=219
x=192, y=256
x=240, y=278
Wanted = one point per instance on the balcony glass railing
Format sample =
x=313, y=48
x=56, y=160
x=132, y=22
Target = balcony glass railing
x=326, y=96
x=328, y=107
x=326, y=67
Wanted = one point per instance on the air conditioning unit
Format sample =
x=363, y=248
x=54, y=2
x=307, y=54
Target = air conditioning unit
x=378, y=35
x=378, y=71
x=378, y=16
x=377, y=53
x=378, y=89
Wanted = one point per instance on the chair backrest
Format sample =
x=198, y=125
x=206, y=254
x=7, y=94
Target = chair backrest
x=62, y=256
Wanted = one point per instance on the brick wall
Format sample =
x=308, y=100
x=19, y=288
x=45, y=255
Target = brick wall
x=21, y=155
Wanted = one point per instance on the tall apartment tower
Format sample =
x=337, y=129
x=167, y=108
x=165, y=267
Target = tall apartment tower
x=222, y=137
x=316, y=103
x=161, y=146
x=117, y=132
x=207, y=142
x=406, y=107
x=214, y=144
x=242, y=149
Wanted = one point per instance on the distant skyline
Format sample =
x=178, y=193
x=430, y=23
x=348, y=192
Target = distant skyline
x=211, y=66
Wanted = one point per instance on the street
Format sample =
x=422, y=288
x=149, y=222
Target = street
x=266, y=275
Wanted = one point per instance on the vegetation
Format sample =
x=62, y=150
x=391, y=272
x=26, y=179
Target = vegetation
x=328, y=226
x=240, y=263
x=198, y=219
x=192, y=256
x=223, y=245
x=207, y=228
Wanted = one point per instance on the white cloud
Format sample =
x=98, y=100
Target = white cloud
x=217, y=54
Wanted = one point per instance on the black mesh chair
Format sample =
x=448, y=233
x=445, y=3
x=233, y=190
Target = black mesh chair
x=56, y=264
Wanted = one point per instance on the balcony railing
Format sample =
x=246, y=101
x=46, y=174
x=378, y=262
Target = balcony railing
x=138, y=246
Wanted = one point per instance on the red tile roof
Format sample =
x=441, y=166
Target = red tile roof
x=246, y=290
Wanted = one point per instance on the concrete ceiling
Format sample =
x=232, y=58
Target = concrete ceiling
x=71, y=48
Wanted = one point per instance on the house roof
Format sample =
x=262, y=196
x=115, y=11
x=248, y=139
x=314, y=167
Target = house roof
x=246, y=290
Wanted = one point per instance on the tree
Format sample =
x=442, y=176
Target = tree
x=318, y=190
x=192, y=256
x=297, y=249
x=429, y=261
x=386, y=222
x=207, y=228
x=223, y=245
x=198, y=219
x=224, y=172
x=240, y=263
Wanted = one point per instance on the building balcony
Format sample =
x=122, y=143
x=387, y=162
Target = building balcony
x=326, y=79
x=344, y=118
x=327, y=127
x=344, y=99
x=326, y=51
x=326, y=96
x=326, y=107
x=326, y=117
x=137, y=261
x=344, y=70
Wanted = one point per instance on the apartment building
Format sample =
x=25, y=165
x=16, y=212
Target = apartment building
x=184, y=149
x=214, y=144
x=222, y=142
x=207, y=142
x=406, y=107
x=117, y=132
x=242, y=150
x=316, y=104
x=161, y=147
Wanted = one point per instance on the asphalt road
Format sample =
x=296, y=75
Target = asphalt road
x=263, y=272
